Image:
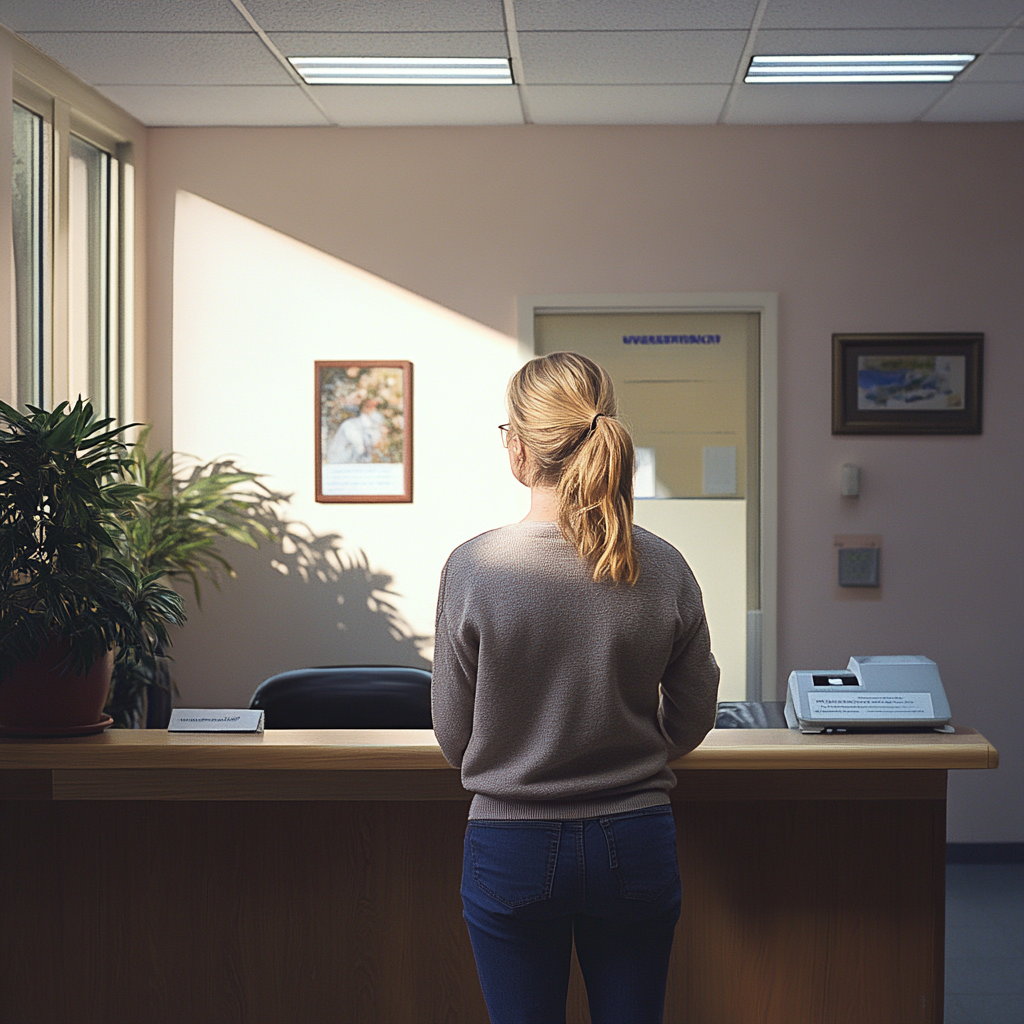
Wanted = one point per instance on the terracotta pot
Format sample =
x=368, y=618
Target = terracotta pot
x=46, y=694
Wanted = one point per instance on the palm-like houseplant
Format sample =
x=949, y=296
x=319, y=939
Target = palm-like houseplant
x=69, y=598
x=181, y=517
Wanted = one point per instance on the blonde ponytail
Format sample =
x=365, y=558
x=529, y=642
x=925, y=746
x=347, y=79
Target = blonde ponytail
x=562, y=408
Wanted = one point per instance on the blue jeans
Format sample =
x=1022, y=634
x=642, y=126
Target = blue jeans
x=530, y=887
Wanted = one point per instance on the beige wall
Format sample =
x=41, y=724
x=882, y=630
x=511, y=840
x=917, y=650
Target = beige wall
x=253, y=310
x=858, y=228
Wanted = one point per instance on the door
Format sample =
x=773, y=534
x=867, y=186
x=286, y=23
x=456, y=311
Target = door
x=688, y=386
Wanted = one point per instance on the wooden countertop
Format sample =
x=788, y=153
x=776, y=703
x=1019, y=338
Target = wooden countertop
x=416, y=749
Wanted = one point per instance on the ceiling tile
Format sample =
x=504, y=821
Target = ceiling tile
x=630, y=58
x=891, y=13
x=830, y=104
x=1013, y=43
x=986, y=101
x=585, y=61
x=163, y=58
x=863, y=40
x=351, y=105
x=997, y=67
x=607, y=15
x=120, y=16
x=378, y=15
x=215, y=105
x=391, y=44
x=626, y=104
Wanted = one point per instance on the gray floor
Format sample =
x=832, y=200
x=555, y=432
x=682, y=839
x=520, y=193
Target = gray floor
x=985, y=944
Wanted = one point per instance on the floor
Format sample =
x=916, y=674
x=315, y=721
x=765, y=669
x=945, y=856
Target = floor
x=985, y=944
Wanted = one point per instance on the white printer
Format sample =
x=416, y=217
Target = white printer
x=881, y=692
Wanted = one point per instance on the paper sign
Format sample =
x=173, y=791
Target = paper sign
x=378, y=478
x=644, y=481
x=871, y=707
x=215, y=720
x=719, y=469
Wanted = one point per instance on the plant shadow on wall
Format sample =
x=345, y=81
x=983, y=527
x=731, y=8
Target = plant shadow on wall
x=187, y=509
x=246, y=634
x=351, y=603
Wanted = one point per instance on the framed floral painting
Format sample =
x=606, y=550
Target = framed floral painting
x=363, y=431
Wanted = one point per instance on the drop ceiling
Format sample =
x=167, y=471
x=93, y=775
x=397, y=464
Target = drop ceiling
x=223, y=62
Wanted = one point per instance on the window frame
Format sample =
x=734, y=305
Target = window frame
x=37, y=103
x=69, y=107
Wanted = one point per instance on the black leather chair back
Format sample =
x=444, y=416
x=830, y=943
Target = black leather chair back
x=346, y=697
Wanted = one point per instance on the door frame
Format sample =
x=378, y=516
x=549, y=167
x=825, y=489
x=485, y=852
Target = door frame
x=762, y=630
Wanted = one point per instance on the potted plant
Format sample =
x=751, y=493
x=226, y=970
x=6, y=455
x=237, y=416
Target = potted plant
x=70, y=603
x=180, y=517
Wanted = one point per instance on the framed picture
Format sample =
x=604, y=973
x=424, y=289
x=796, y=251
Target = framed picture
x=364, y=431
x=906, y=383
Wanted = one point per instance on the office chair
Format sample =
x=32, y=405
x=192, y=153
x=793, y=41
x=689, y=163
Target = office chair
x=346, y=697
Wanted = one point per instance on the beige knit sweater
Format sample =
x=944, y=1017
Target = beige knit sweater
x=560, y=697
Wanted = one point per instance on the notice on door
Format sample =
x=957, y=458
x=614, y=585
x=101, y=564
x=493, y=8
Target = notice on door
x=719, y=469
x=871, y=707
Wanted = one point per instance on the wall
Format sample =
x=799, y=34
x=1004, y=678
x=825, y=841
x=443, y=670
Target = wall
x=248, y=299
x=357, y=582
x=858, y=228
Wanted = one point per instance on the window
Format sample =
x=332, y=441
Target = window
x=30, y=208
x=92, y=284
x=72, y=240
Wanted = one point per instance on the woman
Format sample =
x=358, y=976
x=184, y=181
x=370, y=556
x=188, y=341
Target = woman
x=572, y=660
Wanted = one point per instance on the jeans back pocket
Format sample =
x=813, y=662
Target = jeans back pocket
x=514, y=862
x=642, y=854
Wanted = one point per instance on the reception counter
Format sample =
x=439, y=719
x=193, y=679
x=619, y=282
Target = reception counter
x=314, y=876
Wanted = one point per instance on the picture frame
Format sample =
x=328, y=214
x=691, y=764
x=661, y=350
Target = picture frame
x=363, y=411
x=906, y=383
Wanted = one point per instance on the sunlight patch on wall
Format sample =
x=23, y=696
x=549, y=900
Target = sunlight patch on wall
x=253, y=310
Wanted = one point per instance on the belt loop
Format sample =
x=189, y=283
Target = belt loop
x=609, y=838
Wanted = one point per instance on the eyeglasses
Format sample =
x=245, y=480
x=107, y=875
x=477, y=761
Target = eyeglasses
x=505, y=430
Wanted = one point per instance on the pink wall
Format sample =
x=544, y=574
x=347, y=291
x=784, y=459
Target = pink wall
x=858, y=228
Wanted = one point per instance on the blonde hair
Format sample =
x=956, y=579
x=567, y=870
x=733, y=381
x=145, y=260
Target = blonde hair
x=562, y=408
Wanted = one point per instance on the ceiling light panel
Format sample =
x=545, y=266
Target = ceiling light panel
x=840, y=68
x=403, y=70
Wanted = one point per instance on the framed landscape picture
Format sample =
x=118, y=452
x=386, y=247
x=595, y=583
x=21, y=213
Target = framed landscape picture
x=363, y=431
x=906, y=383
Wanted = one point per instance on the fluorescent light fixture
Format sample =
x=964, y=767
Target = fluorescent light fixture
x=872, y=67
x=403, y=70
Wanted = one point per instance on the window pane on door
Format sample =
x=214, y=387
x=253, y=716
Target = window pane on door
x=29, y=212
